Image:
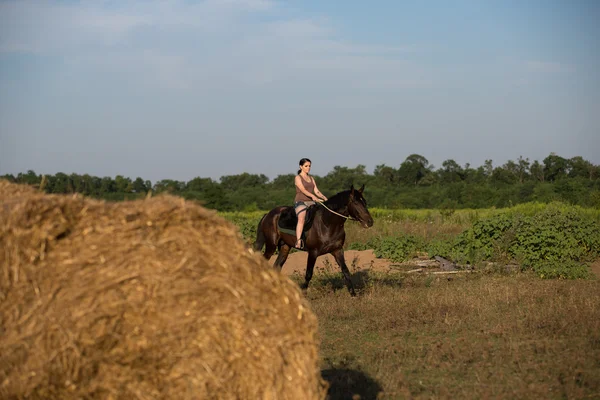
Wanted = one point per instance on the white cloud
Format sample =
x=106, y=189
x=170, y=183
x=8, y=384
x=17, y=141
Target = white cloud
x=214, y=42
x=41, y=27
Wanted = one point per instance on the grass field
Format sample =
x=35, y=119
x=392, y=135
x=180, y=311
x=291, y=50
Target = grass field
x=471, y=337
x=476, y=335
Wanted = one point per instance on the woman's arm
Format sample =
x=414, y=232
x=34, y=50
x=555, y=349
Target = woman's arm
x=300, y=186
x=317, y=192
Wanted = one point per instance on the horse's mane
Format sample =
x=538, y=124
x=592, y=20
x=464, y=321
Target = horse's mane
x=338, y=200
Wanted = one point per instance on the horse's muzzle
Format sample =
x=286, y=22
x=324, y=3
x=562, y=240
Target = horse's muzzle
x=368, y=223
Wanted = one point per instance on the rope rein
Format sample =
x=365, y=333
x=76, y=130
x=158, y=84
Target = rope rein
x=336, y=213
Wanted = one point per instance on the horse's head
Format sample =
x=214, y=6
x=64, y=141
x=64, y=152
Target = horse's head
x=357, y=207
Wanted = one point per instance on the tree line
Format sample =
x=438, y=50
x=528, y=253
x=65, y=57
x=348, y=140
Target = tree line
x=415, y=183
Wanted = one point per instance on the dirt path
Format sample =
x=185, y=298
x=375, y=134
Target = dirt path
x=364, y=260
x=356, y=260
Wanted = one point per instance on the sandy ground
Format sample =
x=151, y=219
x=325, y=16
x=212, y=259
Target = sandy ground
x=365, y=260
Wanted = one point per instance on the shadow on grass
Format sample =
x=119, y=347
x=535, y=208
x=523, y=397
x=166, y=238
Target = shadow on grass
x=346, y=383
x=360, y=280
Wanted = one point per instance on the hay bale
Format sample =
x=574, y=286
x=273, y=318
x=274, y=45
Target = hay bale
x=152, y=299
x=10, y=191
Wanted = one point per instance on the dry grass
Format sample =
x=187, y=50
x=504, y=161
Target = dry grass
x=153, y=299
x=426, y=230
x=473, y=337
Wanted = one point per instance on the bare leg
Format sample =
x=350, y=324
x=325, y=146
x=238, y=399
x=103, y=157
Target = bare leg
x=310, y=266
x=339, y=258
x=301, y=214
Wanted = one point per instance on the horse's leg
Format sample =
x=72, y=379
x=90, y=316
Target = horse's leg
x=269, y=250
x=284, y=250
x=310, y=266
x=271, y=239
x=260, y=235
x=339, y=258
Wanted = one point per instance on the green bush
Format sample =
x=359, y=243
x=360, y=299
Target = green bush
x=394, y=248
x=440, y=247
x=485, y=240
x=556, y=235
x=562, y=270
x=247, y=222
x=557, y=238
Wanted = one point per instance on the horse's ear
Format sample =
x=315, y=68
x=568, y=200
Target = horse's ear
x=362, y=188
x=352, y=190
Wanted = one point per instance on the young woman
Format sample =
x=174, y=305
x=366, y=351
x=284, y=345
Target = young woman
x=306, y=195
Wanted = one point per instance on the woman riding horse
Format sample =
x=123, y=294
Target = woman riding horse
x=307, y=194
x=325, y=235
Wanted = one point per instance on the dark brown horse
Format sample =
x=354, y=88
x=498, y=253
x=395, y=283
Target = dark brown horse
x=323, y=231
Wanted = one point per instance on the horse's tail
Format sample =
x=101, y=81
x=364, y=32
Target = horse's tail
x=260, y=236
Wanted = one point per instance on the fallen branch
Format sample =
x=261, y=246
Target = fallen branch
x=414, y=270
x=435, y=272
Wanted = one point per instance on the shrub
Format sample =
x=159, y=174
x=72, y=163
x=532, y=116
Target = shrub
x=394, y=248
x=556, y=235
x=562, y=270
x=553, y=240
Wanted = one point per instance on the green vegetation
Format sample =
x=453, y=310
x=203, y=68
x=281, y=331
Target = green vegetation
x=414, y=184
x=543, y=216
x=554, y=240
x=247, y=222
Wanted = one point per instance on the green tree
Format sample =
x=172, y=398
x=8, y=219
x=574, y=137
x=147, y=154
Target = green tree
x=555, y=167
x=450, y=172
x=537, y=171
x=341, y=178
x=9, y=177
x=139, y=186
x=413, y=169
x=582, y=168
x=385, y=175
x=123, y=185
x=522, y=170
x=60, y=183
x=169, y=185
x=88, y=185
x=29, y=178
x=245, y=180
x=282, y=182
x=107, y=185
x=199, y=184
x=504, y=175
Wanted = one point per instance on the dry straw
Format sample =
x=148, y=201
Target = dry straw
x=151, y=299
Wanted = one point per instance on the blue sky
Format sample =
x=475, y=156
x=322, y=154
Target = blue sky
x=179, y=89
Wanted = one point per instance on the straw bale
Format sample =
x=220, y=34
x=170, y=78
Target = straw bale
x=151, y=299
x=10, y=190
